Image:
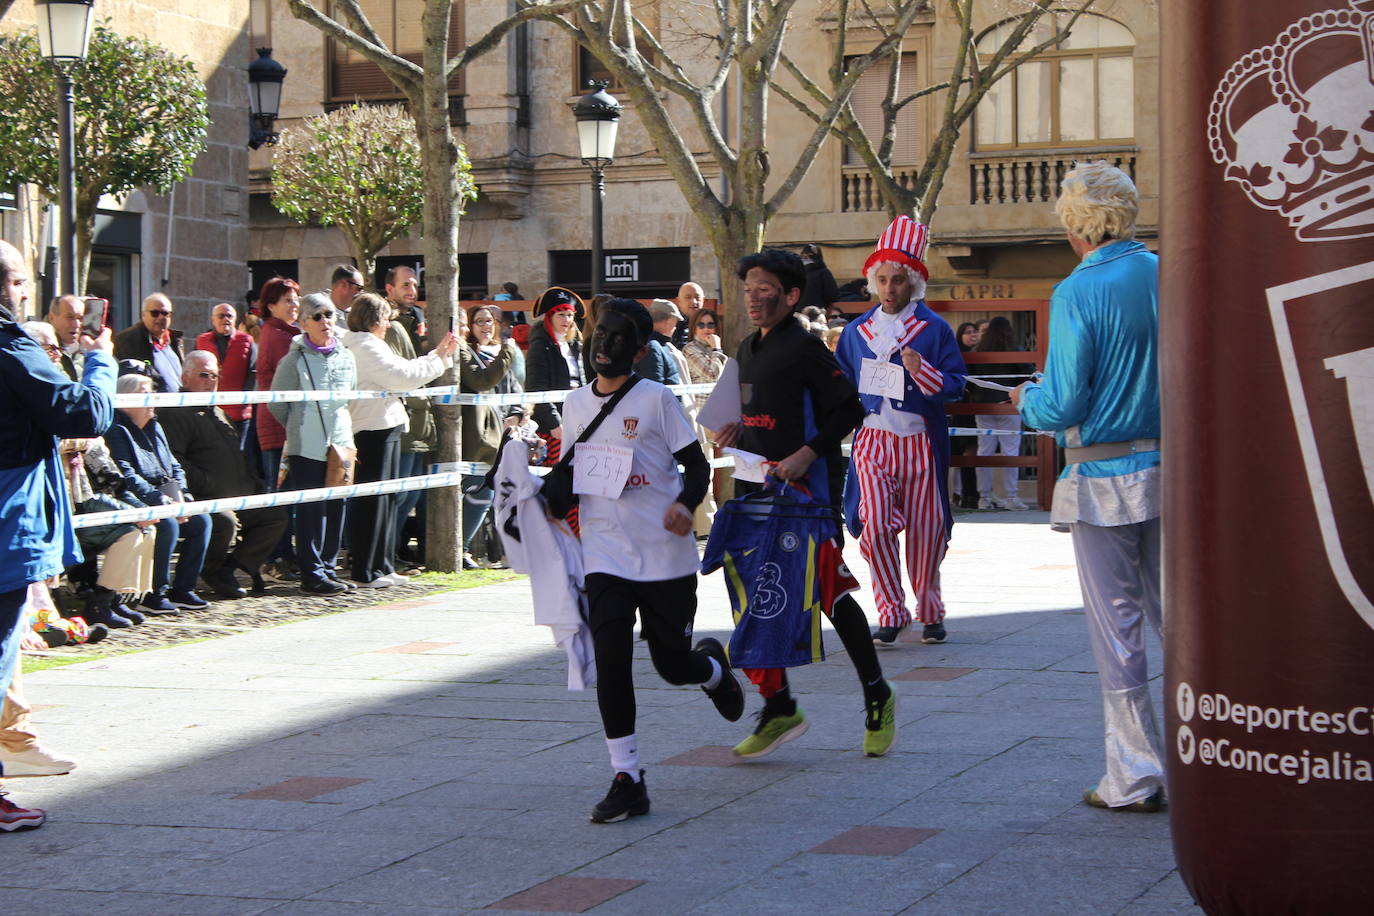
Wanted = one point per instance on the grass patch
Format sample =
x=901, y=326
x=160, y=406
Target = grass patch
x=468, y=578
x=34, y=663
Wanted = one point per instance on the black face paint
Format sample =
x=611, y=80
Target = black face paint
x=614, y=345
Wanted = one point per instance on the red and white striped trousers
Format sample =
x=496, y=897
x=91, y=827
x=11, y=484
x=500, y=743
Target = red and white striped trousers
x=898, y=491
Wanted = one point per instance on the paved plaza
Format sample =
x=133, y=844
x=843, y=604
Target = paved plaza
x=424, y=757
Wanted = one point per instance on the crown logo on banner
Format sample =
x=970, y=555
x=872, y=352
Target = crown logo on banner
x=1293, y=124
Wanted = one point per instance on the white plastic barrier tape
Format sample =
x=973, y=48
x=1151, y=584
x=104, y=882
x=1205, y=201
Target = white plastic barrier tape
x=281, y=498
x=443, y=394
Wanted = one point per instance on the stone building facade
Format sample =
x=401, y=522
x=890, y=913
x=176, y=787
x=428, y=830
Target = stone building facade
x=192, y=243
x=995, y=235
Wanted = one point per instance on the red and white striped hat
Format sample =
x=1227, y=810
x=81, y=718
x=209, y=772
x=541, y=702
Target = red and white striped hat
x=903, y=242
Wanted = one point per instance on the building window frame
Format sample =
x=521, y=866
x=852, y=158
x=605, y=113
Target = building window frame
x=911, y=115
x=336, y=97
x=1053, y=61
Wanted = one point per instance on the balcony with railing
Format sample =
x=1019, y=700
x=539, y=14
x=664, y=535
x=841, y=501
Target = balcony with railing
x=1033, y=176
x=859, y=191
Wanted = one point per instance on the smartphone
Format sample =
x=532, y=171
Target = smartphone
x=453, y=323
x=96, y=317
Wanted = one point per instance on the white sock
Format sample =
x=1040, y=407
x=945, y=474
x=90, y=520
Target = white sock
x=713, y=681
x=624, y=755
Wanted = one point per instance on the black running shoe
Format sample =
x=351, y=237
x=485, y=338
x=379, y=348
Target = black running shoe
x=727, y=695
x=933, y=633
x=627, y=798
x=887, y=636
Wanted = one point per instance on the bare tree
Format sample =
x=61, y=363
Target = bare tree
x=357, y=169
x=425, y=88
x=968, y=82
x=740, y=43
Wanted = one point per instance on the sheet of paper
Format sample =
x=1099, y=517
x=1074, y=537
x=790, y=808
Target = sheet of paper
x=723, y=406
x=748, y=466
x=601, y=470
x=883, y=378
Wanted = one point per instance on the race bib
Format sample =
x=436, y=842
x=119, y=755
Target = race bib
x=880, y=377
x=601, y=470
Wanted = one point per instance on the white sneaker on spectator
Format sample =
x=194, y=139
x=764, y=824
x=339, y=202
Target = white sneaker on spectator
x=397, y=578
x=36, y=761
x=1016, y=504
x=994, y=502
x=379, y=582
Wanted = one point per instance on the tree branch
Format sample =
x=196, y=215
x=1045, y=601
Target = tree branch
x=527, y=11
x=400, y=71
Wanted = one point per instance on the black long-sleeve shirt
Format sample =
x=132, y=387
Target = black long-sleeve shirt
x=793, y=393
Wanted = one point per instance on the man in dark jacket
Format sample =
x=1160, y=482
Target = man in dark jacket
x=153, y=340
x=38, y=406
x=207, y=447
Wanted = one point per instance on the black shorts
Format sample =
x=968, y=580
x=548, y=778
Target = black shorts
x=667, y=608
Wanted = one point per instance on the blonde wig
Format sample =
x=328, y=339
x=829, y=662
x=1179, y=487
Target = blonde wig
x=1098, y=202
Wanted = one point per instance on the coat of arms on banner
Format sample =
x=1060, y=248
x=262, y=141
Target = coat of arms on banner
x=1293, y=124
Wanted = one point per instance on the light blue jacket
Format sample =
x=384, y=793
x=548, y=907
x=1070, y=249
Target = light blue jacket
x=1101, y=379
x=306, y=422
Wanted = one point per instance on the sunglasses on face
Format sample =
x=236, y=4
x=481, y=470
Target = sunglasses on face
x=213, y=375
x=710, y=325
x=159, y=313
x=322, y=316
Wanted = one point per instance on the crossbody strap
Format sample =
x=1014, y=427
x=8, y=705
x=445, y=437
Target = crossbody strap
x=605, y=412
x=324, y=426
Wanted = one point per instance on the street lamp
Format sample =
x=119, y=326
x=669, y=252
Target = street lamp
x=64, y=29
x=264, y=98
x=598, y=117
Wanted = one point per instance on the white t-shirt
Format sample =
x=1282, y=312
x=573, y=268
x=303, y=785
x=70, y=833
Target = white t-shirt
x=625, y=537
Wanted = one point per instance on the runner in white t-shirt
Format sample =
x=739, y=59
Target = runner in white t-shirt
x=637, y=545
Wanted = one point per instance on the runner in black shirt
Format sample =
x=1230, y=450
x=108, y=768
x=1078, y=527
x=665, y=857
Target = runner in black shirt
x=797, y=405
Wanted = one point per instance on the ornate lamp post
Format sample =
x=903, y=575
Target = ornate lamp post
x=265, y=76
x=64, y=28
x=598, y=118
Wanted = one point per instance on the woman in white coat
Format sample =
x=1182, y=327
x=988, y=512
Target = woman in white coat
x=377, y=427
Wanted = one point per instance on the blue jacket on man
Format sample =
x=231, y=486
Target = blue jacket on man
x=38, y=406
x=658, y=364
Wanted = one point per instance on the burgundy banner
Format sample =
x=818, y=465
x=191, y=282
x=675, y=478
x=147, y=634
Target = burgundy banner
x=1267, y=324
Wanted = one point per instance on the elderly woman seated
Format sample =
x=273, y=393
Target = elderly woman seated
x=151, y=471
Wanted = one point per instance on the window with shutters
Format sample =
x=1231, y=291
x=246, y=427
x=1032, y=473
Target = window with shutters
x=1079, y=93
x=353, y=77
x=589, y=68
x=867, y=101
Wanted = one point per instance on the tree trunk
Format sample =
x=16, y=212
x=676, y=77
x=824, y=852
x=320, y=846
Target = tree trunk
x=731, y=241
x=85, y=229
x=443, y=538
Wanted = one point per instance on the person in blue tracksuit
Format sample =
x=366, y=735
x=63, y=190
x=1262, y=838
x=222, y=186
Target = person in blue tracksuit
x=1100, y=394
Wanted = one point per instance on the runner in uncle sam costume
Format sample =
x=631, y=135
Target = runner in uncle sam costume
x=905, y=362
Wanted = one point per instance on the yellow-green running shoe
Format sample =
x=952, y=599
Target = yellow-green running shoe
x=773, y=730
x=880, y=724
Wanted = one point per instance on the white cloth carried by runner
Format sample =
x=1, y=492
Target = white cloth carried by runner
x=550, y=555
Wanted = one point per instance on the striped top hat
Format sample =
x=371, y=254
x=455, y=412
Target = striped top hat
x=903, y=242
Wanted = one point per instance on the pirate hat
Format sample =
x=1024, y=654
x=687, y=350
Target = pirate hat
x=555, y=298
x=903, y=242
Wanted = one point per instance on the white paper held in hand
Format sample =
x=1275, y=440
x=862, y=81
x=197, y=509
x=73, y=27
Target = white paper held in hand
x=878, y=376
x=748, y=466
x=601, y=470
x=723, y=406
